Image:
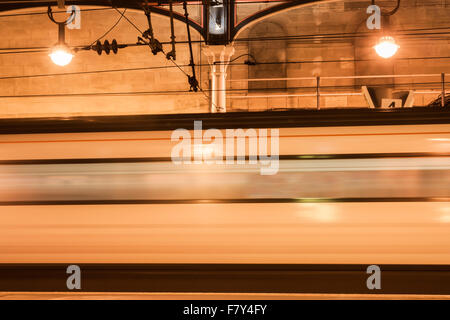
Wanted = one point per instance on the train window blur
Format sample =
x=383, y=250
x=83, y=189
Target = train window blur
x=426, y=177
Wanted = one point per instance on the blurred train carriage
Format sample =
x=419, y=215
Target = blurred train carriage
x=353, y=187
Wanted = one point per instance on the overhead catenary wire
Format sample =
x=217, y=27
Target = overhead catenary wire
x=175, y=65
x=305, y=37
x=177, y=92
x=110, y=29
x=307, y=41
x=129, y=21
x=6, y=51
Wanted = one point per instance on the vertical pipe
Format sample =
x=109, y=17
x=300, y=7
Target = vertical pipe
x=222, y=87
x=318, y=92
x=213, y=95
x=443, y=90
x=61, y=33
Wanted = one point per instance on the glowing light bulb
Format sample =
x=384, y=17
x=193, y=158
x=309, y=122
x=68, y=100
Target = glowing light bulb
x=61, y=55
x=386, y=47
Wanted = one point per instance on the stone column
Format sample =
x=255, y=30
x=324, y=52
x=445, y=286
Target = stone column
x=218, y=59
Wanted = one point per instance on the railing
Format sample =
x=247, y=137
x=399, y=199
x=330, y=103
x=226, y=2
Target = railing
x=318, y=86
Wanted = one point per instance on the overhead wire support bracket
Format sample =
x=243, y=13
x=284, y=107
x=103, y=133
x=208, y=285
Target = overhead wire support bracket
x=193, y=82
x=151, y=41
x=172, y=54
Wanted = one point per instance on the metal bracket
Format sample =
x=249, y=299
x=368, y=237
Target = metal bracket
x=61, y=25
x=153, y=43
x=193, y=82
x=172, y=54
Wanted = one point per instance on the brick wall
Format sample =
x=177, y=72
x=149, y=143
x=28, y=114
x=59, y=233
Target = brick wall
x=139, y=91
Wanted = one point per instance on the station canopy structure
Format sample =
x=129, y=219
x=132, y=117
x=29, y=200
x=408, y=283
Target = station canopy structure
x=219, y=22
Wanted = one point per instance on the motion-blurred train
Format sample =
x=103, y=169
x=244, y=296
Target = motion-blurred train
x=352, y=187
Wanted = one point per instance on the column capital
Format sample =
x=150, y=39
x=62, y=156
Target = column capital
x=218, y=53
